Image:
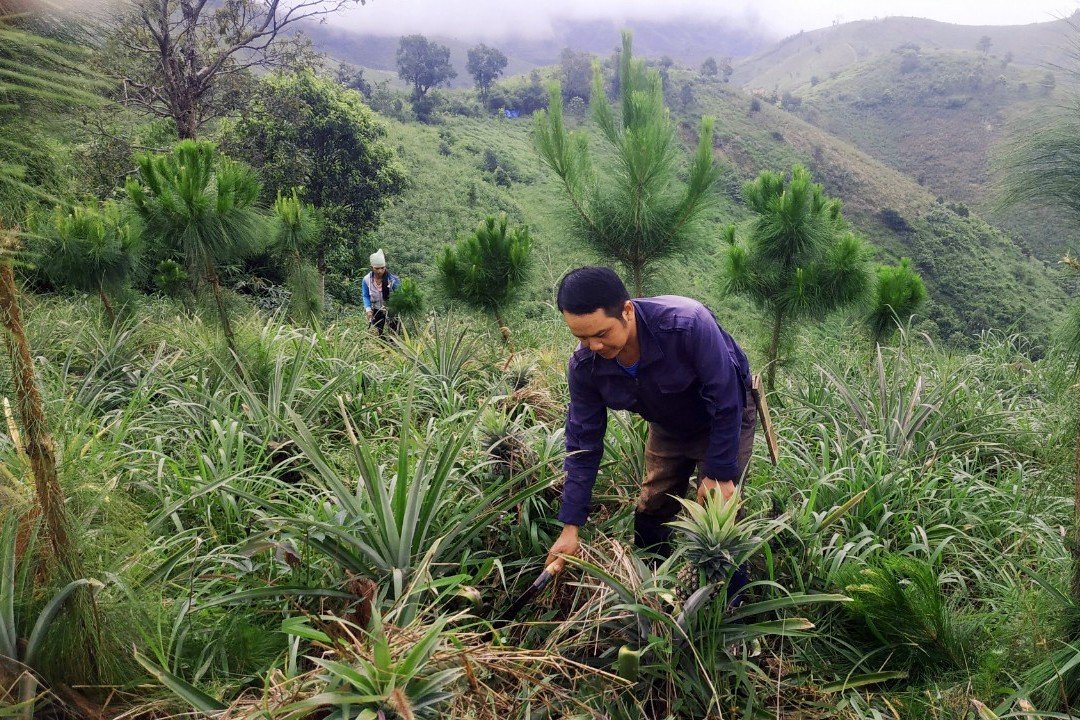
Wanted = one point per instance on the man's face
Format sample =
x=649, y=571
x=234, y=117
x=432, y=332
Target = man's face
x=379, y=271
x=606, y=336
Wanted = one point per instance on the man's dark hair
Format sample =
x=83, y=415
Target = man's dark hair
x=588, y=289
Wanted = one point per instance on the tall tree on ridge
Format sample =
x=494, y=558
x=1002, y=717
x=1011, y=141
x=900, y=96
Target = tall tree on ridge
x=423, y=64
x=485, y=64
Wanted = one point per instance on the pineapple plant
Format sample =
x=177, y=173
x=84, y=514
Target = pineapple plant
x=524, y=396
x=711, y=540
x=519, y=374
x=505, y=443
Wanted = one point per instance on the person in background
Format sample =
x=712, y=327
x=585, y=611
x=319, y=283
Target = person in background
x=377, y=286
x=667, y=359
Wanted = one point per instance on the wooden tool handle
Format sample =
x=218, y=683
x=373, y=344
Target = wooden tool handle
x=765, y=417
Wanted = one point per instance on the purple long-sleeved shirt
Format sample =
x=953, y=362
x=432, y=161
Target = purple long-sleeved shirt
x=691, y=376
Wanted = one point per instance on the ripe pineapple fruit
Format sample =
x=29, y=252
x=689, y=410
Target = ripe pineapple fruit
x=712, y=541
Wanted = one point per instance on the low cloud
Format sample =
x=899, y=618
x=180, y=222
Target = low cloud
x=469, y=19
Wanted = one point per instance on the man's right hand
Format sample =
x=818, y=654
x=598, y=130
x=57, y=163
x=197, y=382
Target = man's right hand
x=566, y=544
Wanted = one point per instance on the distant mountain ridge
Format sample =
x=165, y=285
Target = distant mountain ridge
x=686, y=40
x=792, y=62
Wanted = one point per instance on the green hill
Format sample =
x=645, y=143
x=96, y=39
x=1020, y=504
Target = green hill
x=978, y=278
x=792, y=63
x=932, y=115
x=940, y=117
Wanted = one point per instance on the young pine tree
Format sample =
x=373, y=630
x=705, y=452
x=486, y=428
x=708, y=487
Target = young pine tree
x=898, y=293
x=485, y=270
x=800, y=261
x=407, y=302
x=297, y=233
x=91, y=248
x=201, y=208
x=634, y=208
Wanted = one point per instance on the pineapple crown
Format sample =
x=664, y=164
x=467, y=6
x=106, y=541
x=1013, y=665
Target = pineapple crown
x=712, y=522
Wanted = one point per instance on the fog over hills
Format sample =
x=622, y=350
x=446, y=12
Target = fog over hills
x=686, y=40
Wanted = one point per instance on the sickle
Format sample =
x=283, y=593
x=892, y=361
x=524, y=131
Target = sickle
x=532, y=591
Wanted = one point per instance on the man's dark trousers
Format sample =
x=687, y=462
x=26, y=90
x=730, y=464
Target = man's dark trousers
x=670, y=461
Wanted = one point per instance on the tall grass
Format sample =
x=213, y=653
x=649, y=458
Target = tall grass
x=256, y=533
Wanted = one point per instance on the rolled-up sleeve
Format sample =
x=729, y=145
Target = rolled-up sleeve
x=724, y=396
x=586, y=423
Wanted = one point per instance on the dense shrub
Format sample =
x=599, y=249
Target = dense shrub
x=790, y=101
x=893, y=220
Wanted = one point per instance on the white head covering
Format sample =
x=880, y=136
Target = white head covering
x=378, y=259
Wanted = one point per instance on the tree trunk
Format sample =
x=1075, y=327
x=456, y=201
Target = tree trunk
x=505, y=331
x=186, y=126
x=774, y=350
x=186, y=92
x=320, y=265
x=39, y=443
x=109, y=311
x=501, y=322
x=226, y=326
x=1075, y=549
x=639, y=281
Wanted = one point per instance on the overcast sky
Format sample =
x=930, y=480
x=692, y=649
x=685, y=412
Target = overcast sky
x=488, y=18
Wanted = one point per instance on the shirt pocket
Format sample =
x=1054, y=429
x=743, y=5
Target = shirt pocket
x=674, y=384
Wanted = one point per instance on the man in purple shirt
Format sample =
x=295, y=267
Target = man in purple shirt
x=667, y=359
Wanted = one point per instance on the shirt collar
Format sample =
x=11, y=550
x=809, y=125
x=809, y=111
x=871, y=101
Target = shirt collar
x=648, y=345
x=649, y=348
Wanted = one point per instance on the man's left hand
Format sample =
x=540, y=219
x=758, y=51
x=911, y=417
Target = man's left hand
x=726, y=488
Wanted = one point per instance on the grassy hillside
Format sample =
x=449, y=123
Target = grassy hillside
x=978, y=278
x=934, y=115
x=791, y=63
x=940, y=117
x=314, y=521
x=236, y=522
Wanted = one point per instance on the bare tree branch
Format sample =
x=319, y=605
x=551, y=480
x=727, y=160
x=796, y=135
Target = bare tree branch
x=176, y=51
